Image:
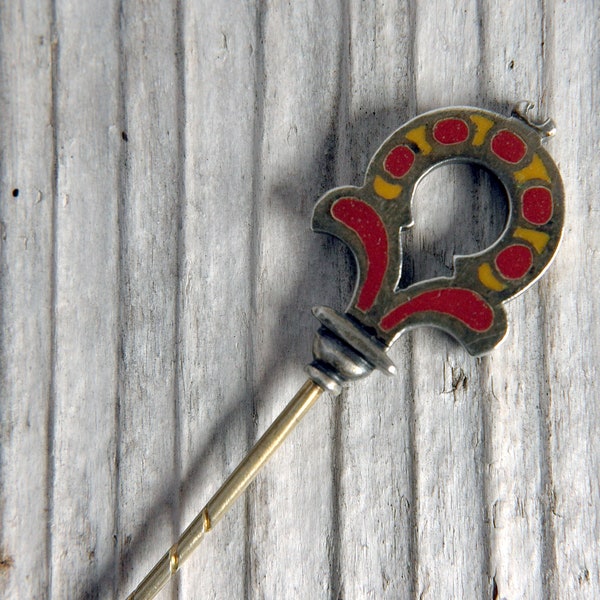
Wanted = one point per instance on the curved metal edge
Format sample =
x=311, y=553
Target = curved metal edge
x=522, y=110
x=373, y=351
x=323, y=378
x=344, y=352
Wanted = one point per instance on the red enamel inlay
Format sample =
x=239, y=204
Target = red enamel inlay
x=508, y=146
x=537, y=205
x=450, y=131
x=399, y=161
x=465, y=305
x=366, y=223
x=513, y=262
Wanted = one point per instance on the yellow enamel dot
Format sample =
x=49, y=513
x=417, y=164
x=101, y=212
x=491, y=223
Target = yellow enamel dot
x=534, y=170
x=483, y=125
x=486, y=276
x=419, y=137
x=386, y=190
x=538, y=239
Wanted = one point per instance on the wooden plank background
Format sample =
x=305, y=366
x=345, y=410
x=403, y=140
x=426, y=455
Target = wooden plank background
x=159, y=161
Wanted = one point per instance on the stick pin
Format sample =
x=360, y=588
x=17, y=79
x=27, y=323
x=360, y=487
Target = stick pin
x=468, y=305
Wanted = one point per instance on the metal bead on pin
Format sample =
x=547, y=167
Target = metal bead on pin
x=468, y=305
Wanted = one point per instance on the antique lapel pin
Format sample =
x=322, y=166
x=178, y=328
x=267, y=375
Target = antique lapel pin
x=468, y=305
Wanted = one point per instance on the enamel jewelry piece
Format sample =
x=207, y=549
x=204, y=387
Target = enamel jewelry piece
x=369, y=219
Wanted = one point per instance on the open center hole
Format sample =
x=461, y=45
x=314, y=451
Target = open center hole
x=457, y=209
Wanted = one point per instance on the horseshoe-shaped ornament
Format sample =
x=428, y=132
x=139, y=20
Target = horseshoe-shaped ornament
x=369, y=219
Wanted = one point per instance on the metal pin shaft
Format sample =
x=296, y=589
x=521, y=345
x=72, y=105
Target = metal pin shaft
x=228, y=493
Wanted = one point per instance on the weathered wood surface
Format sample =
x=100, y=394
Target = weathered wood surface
x=159, y=161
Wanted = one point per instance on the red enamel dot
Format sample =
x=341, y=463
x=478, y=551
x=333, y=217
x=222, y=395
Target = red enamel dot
x=537, y=205
x=399, y=161
x=450, y=131
x=513, y=262
x=508, y=146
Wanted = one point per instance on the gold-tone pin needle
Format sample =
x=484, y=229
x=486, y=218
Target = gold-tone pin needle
x=228, y=493
x=468, y=305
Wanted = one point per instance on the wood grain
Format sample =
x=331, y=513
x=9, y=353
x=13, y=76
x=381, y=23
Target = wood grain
x=84, y=397
x=219, y=55
x=150, y=191
x=27, y=170
x=158, y=166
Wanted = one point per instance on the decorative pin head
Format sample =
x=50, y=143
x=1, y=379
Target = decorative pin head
x=369, y=219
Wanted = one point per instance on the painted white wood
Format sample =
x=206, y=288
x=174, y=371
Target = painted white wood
x=298, y=100
x=217, y=281
x=158, y=272
x=150, y=200
x=516, y=474
x=86, y=311
x=571, y=307
x=26, y=266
